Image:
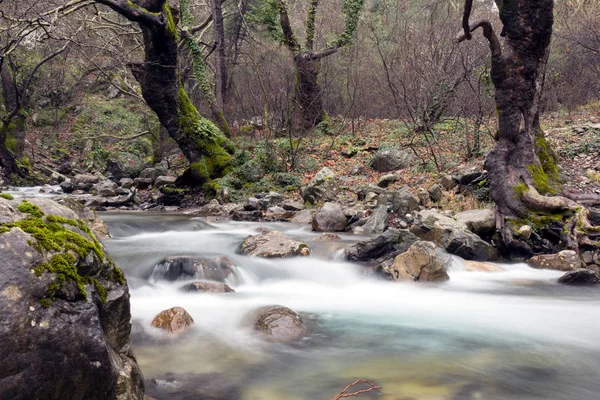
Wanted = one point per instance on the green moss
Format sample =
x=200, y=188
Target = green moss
x=7, y=196
x=52, y=235
x=520, y=190
x=171, y=27
x=542, y=182
x=546, y=156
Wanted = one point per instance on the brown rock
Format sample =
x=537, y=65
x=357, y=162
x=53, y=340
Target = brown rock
x=277, y=324
x=174, y=320
x=273, y=244
x=421, y=262
x=208, y=287
x=477, y=266
x=326, y=237
x=566, y=260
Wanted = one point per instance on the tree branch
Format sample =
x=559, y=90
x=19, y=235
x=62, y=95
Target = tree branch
x=344, y=393
x=286, y=27
x=465, y=21
x=488, y=33
x=134, y=13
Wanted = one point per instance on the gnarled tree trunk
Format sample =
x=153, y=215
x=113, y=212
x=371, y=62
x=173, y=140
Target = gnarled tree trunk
x=308, y=94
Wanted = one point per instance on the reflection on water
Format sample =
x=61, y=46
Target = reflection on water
x=483, y=335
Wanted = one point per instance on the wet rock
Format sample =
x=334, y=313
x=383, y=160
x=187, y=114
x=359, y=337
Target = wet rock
x=277, y=213
x=480, y=222
x=277, y=324
x=421, y=262
x=330, y=218
x=580, y=277
x=152, y=174
x=303, y=217
x=193, y=386
x=391, y=160
x=377, y=222
x=566, y=260
x=249, y=216
x=387, y=180
x=173, y=320
x=392, y=241
x=164, y=180
x=208, y=287
x=252, y=204
x=217, y=269
x=75, y=345
x=126, y=183
x=67, y=186
x=272, y=244
x=213, y=208
x=321, y=188
x=400, y=202
x=326, y=237
x=436, y=193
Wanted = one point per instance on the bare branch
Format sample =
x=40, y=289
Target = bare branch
x=488, y=33
x=467, y=14
x=344, y=393
x=133, y=13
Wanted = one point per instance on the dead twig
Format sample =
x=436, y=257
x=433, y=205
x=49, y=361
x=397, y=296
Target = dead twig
x=344, y=393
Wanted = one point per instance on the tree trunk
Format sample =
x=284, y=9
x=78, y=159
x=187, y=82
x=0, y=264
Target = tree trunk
x=308, y=94
x=221, y=58
x=12, y=130
x=198, y=138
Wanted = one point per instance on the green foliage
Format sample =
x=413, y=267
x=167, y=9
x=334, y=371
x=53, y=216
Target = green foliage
x=55, y=234
x=266, y=13
x=351, y=10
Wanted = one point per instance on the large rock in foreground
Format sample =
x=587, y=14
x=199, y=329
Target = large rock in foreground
x=421, y=262
x=272, y=244
x=64, y=307
x=277, y=324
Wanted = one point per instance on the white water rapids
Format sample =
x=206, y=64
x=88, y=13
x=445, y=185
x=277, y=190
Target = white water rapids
x=514, y=334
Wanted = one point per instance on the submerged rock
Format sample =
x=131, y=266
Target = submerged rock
x=272, y=244
x=566, y=260
x=65, y=315
x=173, y=320
x=216, y=269
x=277, y=324
x=421, y=262
x=330, y=218
x=580, y=277
x=326, y=237
x=207, y=286
x=477, y=266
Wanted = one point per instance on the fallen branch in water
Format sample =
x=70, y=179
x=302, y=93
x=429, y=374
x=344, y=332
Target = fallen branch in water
x=344, y=393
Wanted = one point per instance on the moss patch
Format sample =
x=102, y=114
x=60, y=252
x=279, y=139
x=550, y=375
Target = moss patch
x=7, y=196
x=541, y=180
x=52, y=235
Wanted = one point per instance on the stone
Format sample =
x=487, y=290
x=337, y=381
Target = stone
x=84, y=181
x=477, y=266
x=252, y=204
x=322, y=187
x=580, y=277
x=326, y=237
x=330, y=218
x=142, y=183
x=272, y=244
x=469, y=177
x=173, y=320
x=364, y=190
x=423, y=196
x=302, y=217
x=389, y=242
x=105, y=189
x=436, y=193
x=213, y=208
x=126, y=183
x=421, y=262
x=293, y=206
x=277, y=213
x=447, y=182
x=164, y=180
x=377, y=222
x=248, y=216
x=277, y=324
x=391, y=160
x=387, y=180
x=480, y=222
x=207, y=287
x=525, y=232
x=58, y=340
x=65, y=168
x=152, y=174
x=400, y=202
x=273, y=198
x=67, y=186
x=566, y=260
x=218, y=269
x=113, y=168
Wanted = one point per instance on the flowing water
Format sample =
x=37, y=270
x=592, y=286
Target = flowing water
x=514, y=334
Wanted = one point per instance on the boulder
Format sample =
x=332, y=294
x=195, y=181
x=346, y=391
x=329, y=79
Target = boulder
x=65, y=168
x=480, y=222
x=469, y=177
x=421, y=262
x=566, y=260
x=377, y=222
x=389, y=242
x=364, y=190
x=152, y=173
x=423, y=196
x=293, y=206
x=173, y=320
x=387, y=180
x=580, y=277
x=142, y=183
x=84, y=181
x=105, y=189
x=207, y=287
x=65, y=315
x=277, y=324
x=114, y=169
x=330, y=218
x=391, y=160
x=448, y=182
x=400, y=202
x=248, y=216
x=272, y=244
x=67, y=186
x=525, y=232
x=321, y=188
x=164, y=180
x=302, y=217
x=217, y=269
x=436, y=193
x=126, y=183
x=453, y=236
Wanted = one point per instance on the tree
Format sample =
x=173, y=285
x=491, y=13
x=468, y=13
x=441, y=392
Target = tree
x=308, y=93
x=202, y=143
x=522, y=168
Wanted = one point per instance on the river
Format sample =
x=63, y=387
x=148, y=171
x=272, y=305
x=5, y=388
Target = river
x=514, y=334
